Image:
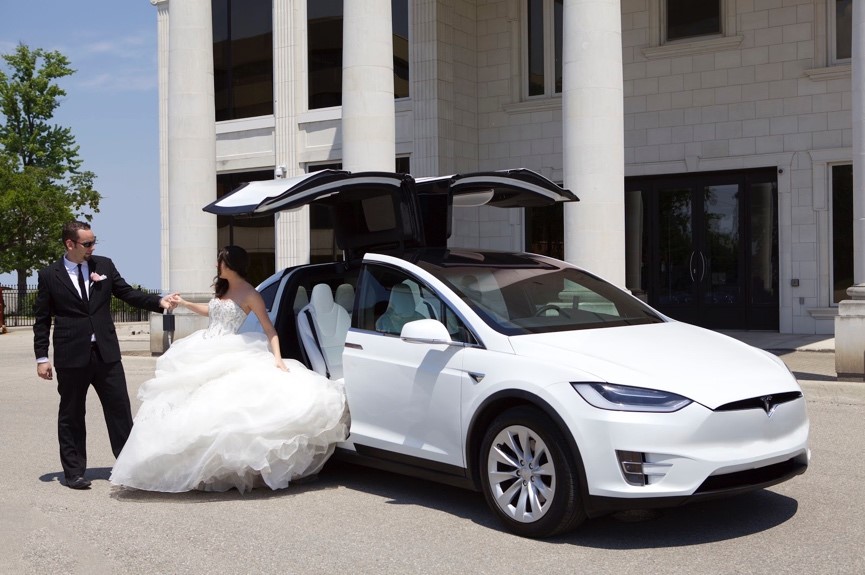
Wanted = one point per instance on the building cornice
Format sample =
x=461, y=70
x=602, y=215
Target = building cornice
x=690, y=48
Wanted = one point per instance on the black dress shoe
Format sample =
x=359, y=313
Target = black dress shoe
x=78, y=482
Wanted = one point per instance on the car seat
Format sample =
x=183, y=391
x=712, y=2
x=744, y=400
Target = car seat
x=322, y=327
x=401, y=309
x=345, y=296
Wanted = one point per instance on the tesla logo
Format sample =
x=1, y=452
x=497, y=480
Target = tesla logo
x=768, y=406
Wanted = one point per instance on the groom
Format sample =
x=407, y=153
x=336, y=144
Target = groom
x=76, y=293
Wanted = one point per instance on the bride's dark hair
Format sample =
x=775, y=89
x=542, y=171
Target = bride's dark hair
x=234, y=258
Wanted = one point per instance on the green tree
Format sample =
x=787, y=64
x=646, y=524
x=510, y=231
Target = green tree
x=41, y=181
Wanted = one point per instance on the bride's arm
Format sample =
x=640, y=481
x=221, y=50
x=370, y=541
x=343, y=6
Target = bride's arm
x=256, y=304
x=199, y=308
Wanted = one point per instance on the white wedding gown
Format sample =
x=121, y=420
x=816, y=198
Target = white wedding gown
x=219, y=414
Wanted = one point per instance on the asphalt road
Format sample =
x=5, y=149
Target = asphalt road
x=354, y=520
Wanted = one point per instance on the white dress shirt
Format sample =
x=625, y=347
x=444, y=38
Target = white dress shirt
x=72, y=270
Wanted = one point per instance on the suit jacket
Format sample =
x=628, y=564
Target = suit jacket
x=76, y=320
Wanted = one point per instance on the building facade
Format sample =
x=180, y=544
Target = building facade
x=732, y=120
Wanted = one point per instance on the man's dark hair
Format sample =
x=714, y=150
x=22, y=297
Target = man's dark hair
x=70, y=230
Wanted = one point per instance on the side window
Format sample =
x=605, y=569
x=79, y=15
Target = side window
x=841, y=30
x=842, y=231
x=543, y=38
x=686, y=19
x=390, y=299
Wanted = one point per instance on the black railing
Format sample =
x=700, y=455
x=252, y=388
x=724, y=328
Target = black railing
x=16, y=308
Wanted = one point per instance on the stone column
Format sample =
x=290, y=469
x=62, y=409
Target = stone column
x=858, y=93
x=159, y=339
x=162, y=74
x=850, y=321
x=191, y=142
x=289, y=37
x=368, y=112
x=593, y=137
x=191, y=147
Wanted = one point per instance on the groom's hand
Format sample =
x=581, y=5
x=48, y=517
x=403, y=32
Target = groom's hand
x=44, y=370
x=169, y=302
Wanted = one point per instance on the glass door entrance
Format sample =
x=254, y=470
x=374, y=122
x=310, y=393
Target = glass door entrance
x=703, y=248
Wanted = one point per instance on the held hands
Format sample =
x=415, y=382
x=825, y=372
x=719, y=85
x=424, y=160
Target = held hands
x=176, y=300
x=170, y=301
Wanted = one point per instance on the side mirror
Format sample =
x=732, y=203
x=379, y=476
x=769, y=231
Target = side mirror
x=428, y=331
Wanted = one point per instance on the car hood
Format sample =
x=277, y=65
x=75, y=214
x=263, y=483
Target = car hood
x=702, y=365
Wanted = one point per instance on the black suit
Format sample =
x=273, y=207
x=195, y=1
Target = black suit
x=80, y=362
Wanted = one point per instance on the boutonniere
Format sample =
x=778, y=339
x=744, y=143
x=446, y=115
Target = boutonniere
x=95, y=277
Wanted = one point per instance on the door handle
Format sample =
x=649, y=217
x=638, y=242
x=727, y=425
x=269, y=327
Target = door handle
x=691, y=269
x=703, y=266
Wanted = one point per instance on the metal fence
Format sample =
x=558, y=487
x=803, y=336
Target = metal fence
x=17, y=308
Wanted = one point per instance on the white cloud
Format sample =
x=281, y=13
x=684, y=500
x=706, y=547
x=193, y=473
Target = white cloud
x=119, y=80
x=120, y=64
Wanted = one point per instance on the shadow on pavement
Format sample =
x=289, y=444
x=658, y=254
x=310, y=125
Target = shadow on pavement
x=695, y=524
x=804, y=376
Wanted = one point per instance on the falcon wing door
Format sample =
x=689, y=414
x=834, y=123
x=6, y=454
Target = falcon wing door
x=518, y=188
x=371, y=210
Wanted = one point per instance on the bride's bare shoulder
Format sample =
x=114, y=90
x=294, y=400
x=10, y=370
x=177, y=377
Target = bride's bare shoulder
x=249, y=296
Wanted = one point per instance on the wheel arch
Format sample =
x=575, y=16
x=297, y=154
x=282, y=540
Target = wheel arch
x=498, y=403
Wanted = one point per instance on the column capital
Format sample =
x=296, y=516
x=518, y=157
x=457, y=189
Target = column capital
x=157, y=2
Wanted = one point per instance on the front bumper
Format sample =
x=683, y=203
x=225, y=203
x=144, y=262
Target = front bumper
x=694, y=453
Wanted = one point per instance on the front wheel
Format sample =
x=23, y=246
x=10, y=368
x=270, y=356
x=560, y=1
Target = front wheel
x=528, y=479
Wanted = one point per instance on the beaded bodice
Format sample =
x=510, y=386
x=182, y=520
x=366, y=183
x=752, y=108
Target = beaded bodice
x=225, y=317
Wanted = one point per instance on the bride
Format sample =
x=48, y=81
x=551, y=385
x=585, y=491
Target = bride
x=223, y=411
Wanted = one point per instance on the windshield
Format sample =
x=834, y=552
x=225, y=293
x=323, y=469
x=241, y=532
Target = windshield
x=521, y=294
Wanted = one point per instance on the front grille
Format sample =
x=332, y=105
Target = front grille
x=751, y=478
x=765, y=403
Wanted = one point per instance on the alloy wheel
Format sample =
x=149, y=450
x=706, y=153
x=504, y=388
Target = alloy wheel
x=521, y=474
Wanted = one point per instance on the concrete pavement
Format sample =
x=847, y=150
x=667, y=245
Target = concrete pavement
x=355, y=520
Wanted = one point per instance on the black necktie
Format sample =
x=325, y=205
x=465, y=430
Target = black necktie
x=81, y=284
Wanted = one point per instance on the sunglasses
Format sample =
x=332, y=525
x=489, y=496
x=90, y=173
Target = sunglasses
x=86, y=244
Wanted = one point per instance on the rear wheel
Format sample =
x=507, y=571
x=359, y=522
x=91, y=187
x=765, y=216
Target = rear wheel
x=528, y=479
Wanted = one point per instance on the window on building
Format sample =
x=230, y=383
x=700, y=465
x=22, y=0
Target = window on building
x=545, y=230
x=324, y=51
x=543, y=39
x=687, y=19
x=242, y=58
x=255, y=235
x=841, y=29
x=842, y=231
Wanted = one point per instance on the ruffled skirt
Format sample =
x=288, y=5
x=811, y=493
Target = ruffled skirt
x=219, y=414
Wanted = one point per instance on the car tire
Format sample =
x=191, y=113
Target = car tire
x=528, y=478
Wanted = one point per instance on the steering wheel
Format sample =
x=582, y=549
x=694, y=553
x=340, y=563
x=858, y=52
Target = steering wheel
x=550, y=306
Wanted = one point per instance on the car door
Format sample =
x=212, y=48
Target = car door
x=405, y=398
x=390, y=212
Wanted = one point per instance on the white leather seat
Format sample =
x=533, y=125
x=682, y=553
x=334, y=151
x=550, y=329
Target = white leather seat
x=345, y=296
x=401, y=309
x=322, y=327
x=301, y=299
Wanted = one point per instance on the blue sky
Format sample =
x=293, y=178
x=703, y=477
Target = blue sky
x=112, y=107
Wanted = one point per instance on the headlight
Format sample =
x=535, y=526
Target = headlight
x=627, y=398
